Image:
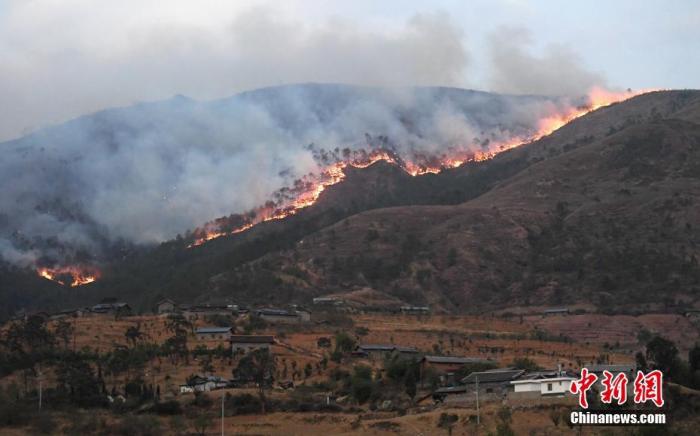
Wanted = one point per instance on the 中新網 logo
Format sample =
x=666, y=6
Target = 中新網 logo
x=647, y=387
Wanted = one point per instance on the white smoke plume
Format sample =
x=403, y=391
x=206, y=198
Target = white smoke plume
x=514, y=69
x=146, y=172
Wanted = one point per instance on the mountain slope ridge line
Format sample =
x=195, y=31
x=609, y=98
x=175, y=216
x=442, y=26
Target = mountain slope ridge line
x=336, y=172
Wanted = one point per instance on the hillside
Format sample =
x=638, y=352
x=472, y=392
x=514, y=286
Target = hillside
x=610, y=221
x=174, y=162
x=601, y=211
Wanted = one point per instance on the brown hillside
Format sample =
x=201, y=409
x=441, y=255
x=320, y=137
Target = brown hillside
x=610, y=220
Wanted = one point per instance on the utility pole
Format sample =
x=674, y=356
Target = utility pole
x=223, y=396
x=478, y=420
x=40, y=387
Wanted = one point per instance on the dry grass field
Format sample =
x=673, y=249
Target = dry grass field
x=501, y=339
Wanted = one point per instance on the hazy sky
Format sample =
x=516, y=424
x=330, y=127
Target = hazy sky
x=63, y=58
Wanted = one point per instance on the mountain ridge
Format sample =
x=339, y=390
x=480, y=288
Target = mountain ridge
x=278, y=262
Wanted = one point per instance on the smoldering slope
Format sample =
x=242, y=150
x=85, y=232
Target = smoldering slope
x=144, y=173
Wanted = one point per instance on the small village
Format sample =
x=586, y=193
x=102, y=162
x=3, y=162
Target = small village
x=442, y=379
x=325, y=360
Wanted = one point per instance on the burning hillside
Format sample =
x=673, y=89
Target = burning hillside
x=307, y=190
x=442, y=131
x=74, y=275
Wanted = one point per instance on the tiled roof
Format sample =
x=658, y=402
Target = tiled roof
x=454, y=359
x=210, y=330
x=611, y=368
x=493, y=376
x=377, y=347
x=451, y=390
x=252, y=339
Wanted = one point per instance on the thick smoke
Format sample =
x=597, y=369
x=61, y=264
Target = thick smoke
x=514, y=69
x=55, y=67
x=148, y=172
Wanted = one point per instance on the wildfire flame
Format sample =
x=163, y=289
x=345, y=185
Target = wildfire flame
x=78, y=275
x=311, y=187
x=335, y=173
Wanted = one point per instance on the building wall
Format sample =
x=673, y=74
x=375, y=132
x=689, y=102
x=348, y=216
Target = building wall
x=212, y=336
x=557, y=387
x=246, y=347
x=275, y=319
x=166, y=307
x=498, y=389
x=200, y=314
x=378, y=354
x=442, y=367
x=469, y=398
x=533, y=386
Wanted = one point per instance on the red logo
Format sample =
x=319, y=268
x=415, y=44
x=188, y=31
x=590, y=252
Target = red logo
x=582, y=386
x=649, y=387
x=614, y=388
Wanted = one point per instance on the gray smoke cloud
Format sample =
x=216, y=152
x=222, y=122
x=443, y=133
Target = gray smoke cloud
x=514, y=69
x=146, y=172
x=52, y=71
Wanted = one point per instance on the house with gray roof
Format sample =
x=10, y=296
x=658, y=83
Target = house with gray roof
x=245, y=343
x=556, y=311
x=492, y=383
x=211, y=337
x=630, y=370
x=281, y=316
x=383, y=351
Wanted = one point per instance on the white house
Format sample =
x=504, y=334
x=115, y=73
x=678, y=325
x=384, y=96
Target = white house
x=543, y=386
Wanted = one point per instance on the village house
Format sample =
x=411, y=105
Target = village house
x=117, y=308
x=246, y=343
x=446, y=366
x=203, y=384
x=693, y=313
x=328, y=301
x=542, y=384
x=449, y=394
x=383, y=351
x=415, y=310
x=492, y=384
x=165, y=305
x=303, y=314
x=202, y=311
x=556, y=311
x=279, y=316
x=213, y=333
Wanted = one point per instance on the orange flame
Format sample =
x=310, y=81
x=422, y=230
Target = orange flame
x=332, y=175
x=79, y=275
